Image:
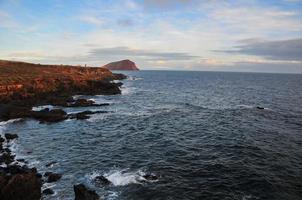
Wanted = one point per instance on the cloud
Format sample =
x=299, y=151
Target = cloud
x=91, y=20
x=256, y=20
x=163, y=4
x=6, y=20
x=125, y=22
x=289, y=50
x=146, y=54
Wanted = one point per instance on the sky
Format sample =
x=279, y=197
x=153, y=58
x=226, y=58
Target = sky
x=205, y=35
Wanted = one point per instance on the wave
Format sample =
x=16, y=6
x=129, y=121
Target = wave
x=122, y=177
x=5, y=123
x=38, y=108
x=127, y=90
x=133, y=78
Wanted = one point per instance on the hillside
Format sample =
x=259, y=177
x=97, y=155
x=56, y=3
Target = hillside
x=121, y=65
x=20, y=80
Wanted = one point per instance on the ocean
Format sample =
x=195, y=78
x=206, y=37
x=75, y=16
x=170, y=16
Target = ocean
x=200, y=133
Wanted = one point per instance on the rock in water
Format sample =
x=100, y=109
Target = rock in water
x=121, y=65
x=10, y=136
x=52, y=177
x=150, y=177
x=82, y=193
x=102, y=180
x=48, y=191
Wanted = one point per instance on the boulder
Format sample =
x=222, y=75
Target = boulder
x=82, y=193
x=52, y=177
x=48, y=191
x=101, y=180
x=10, y=136
x=150, y=177
x=26, y=186
x=47, y=115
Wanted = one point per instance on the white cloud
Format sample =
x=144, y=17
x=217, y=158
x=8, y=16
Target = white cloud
x=91, y=20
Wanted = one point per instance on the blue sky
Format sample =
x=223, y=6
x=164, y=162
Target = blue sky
x=214, y=35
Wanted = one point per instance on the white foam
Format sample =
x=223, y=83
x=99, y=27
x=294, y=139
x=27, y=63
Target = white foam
x=127, y=90
x=133, y=78
x=122, y=177
x=38, y=108
x=245, y=106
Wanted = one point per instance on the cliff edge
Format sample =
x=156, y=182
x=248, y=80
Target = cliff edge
x=34, y=83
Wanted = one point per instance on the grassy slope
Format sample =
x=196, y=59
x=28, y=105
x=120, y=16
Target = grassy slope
x=12, y=72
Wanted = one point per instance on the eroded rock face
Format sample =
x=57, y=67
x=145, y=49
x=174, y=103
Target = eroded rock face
x=121, y=65
x=82, y=193
x=22, y=184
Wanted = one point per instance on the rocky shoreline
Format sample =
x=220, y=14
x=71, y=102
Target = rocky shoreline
x=25, y=85
x=20, y=182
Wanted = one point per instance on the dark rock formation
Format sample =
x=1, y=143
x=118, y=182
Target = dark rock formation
x=150, y=177
x=82, y=193
x=48, y=191
x=85, y=103
x=101, y=180
x=22, y=186
x=10, y=136
x=52, y=177
x=121, y=65
x=47, y=115
x=84, y=114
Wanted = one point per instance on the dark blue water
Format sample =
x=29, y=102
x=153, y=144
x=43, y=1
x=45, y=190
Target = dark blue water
x=200, y=132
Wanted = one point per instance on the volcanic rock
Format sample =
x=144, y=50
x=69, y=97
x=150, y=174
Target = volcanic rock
x=10, y=136
x=26, y=84
x=121, y=65
x=21, y=184
x=48, y=191
x=82, y=193
x=52, y=177
x=101, y=180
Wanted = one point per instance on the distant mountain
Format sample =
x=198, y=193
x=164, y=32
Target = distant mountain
x=121, y=65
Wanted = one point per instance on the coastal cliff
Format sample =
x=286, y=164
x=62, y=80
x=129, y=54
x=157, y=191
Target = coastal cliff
x=121, y=65
x=35, y=83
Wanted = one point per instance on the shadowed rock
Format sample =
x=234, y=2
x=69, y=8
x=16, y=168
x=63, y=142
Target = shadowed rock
x=48, y=191
x=101, y=180
x=19, y=183
x=150, y=177
x=82, y=193
x=10, y=136
x=52, y=177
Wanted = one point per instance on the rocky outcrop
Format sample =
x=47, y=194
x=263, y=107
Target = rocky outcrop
x=82, y=193
x=17, y=182
x=52, y=177
x=28, y=84
x=25, y=185
x=8, y=112
x=121, y=65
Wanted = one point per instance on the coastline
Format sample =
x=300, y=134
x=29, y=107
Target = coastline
x=30, y=85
